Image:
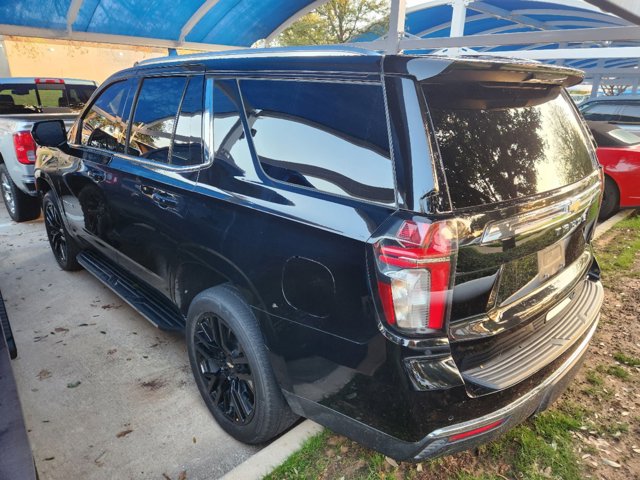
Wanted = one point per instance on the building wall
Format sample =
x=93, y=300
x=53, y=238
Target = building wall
x=31, y=57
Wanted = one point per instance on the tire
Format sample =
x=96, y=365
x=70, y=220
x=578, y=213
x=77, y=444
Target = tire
x=21, y=207
x=64, y=247
x=232, y=370
x=610, y=199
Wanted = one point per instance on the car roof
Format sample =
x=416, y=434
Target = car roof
x=614, y=98
x=333, y=61
x=31, y=80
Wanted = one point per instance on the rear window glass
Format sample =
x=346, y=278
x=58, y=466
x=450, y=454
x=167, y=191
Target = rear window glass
x=608, y=135
x=630, y=114
x=330, y=137
x=502, y=143
x=603, y=112
x=25, y=98
x=187, y=141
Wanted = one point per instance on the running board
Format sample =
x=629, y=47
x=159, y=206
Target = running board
x=142, y=298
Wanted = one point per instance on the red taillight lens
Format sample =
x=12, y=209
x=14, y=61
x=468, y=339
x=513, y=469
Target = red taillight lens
x=476, y=431
x=25, y=147
x=58, y=81
x=414, y=274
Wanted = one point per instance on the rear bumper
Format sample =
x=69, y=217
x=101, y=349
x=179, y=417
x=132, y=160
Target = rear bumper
x=539, y=398
x=456, y=437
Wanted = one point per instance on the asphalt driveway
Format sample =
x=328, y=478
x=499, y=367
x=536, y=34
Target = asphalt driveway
x=105, y=394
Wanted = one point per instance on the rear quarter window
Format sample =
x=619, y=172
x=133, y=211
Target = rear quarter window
x=500, y=143
x=330, y=137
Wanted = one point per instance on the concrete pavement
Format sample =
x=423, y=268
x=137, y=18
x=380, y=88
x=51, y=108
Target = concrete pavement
x=105, y=394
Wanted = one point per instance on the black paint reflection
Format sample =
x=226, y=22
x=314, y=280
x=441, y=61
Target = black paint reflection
x=503, y=143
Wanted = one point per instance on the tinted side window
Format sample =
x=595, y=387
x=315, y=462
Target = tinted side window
x=603, y=112
x=630, y=114
x=155, y=117
x=187, y=141
x=231, y=148
x=327, y=136
x=103, y=125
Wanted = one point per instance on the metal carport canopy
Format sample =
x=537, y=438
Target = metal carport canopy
x=190, y=24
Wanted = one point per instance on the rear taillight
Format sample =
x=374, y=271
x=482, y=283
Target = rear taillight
x=25, y=147
x=414, y=273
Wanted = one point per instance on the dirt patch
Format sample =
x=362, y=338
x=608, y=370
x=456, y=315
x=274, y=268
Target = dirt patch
x=153, y=385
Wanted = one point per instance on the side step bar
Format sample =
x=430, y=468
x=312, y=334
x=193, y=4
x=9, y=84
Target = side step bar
x=143, y=299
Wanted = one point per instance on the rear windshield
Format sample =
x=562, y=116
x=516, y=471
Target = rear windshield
x=499, y=143
x=25, y=98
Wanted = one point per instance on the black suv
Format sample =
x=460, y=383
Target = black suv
x=394, y=246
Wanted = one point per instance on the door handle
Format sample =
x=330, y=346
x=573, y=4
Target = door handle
x=96, y=175
x=164, y=199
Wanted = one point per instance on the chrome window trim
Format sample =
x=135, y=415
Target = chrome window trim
x=378, y=82
x=207, y=139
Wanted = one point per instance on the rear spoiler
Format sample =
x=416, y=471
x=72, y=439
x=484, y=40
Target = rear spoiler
x=491, y=69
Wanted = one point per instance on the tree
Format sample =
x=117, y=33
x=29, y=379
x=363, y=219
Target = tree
x=612, y=90
x=337, y=21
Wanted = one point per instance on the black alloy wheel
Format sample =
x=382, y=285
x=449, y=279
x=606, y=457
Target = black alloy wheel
x=224, y=368
x=55, y=232
x=64, y=247
x=232, y=368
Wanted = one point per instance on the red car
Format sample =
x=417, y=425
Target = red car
x=619, y=154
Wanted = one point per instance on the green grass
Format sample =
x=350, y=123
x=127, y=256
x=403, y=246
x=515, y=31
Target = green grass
x=613, y=370
x=545, y=442
x=618, y=372
x=620, y=255
x=626, y=359
x=593, y=378
x=306, y=463
x=469, y=476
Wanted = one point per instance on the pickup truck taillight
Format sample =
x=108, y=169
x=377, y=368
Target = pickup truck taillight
x=25, y=147
x=415, y=273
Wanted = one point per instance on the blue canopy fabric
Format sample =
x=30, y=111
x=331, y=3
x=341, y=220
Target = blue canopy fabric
x=227, y=22
x=433, y=20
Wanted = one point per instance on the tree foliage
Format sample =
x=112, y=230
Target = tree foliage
x=337, y=21
x=612, y=90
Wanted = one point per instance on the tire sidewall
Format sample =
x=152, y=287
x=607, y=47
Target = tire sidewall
x=26, y=207
x=69, y=263
x=237, y=315
x=611, y=199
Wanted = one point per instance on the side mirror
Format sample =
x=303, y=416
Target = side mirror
x=49, y=133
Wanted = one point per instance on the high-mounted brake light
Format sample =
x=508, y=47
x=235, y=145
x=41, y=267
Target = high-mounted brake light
x=414, y=274
x=50, y=80
x=25, y=147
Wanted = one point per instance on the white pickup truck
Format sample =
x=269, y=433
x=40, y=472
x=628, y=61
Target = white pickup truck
x=23, y=101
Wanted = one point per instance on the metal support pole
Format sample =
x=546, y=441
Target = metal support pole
x=5, y=70
x=396, y=25
x=458, y=18
x=634, y=86
x=595, y=86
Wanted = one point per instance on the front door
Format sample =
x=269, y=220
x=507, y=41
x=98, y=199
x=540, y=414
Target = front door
x=155, y=176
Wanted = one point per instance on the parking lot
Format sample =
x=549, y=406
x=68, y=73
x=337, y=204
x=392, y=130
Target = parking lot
x=104, y=393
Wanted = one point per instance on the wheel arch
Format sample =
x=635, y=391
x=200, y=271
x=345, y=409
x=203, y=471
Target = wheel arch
x=197, y=273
